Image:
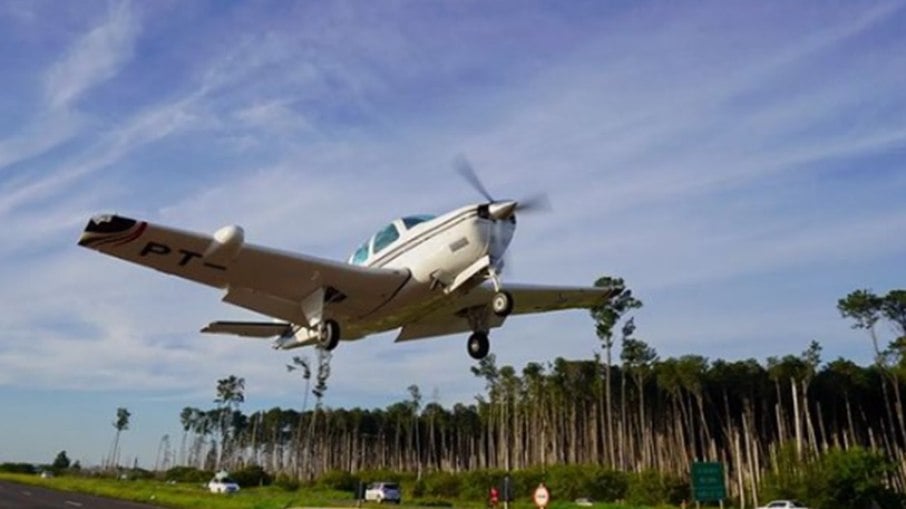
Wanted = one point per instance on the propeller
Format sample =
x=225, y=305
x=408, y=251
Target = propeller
x=536, y=203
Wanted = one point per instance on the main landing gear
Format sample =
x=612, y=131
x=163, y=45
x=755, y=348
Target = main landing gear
x=329, y=334
x=478, y=345
x=502, y=303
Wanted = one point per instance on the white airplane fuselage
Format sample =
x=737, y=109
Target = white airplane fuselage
x=445, y=256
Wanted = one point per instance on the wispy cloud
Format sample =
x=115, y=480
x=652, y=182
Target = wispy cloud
x=734, y=164
x=94, y=58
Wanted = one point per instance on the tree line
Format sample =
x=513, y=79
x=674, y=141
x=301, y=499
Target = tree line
x=637, y=412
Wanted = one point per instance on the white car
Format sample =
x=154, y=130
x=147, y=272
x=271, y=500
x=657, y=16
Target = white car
x=221, y=483
x=381, y=492
x=783, y=504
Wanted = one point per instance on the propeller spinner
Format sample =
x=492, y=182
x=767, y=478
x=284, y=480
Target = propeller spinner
x=499, y=209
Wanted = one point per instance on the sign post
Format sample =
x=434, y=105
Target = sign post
x=708, y=482
x=542, y=496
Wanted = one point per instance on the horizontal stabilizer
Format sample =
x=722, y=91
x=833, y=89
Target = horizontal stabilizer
x=249, y=329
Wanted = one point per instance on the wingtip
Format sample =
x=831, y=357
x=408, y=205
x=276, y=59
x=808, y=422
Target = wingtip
x=102, y=228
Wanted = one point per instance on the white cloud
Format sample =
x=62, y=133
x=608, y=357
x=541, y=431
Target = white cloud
x=94, y=58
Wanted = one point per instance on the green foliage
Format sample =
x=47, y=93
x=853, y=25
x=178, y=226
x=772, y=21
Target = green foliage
x=609, y=485
x=340, y=480
x=418, y=488
x=569, y=482
x=476, y=483
x=139, y=473
x=653, y=488
x=287, y=483
x=61, y=462
x=188, y=474
x=786, y=477
x=442, y=484
x=250, y=476
x=18, y=468
x=852, y=478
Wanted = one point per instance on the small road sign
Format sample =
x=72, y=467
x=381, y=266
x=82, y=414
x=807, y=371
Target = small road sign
x=541, y=496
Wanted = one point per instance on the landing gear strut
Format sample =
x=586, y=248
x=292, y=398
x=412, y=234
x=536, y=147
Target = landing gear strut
x=478, y=345
x=329, y=334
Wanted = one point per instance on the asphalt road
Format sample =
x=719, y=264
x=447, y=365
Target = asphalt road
x=21, y=496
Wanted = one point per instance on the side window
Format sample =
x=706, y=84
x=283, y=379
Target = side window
x=385, y=237
x=361, y=254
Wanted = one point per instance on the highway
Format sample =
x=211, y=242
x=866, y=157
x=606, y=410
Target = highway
x=21, y=496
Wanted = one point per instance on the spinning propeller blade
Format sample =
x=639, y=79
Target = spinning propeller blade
x=536, y=203
x=464, y=168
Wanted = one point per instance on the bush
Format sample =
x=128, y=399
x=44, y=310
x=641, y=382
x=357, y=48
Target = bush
x=609, y=485
x=646, y=488
x=18, y=468
x=287, y=483
x=339, y=480
x=851, y=478
x=441, y=484
x=475, y=484
x=188, y=474
x=250, y=476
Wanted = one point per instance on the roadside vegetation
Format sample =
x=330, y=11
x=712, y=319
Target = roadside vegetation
x=623, y=426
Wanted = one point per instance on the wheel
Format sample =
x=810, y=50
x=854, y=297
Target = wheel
x=502, y=303
x=478, y=345
x=330, y=334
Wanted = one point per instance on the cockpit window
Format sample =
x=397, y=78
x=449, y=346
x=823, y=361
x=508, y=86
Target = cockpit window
x=360, y=255
x=385, y=237
x=411, y=221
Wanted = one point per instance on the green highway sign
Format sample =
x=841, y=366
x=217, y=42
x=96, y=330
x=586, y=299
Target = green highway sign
x=708, y=482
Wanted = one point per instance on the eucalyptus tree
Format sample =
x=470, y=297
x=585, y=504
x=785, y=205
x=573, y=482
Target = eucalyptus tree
x=866, y=309
x=303, y=366
x=416, y=403
x=607, y=316
x=811, y=359
x=121, y=423
x=186, y=418
x=321, y=377
x=638, y=359
x=230, y=394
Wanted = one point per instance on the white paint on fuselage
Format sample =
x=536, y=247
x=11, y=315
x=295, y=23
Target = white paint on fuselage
x=440, y=249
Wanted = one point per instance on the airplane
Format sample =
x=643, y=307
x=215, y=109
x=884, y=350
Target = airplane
x=425, y=275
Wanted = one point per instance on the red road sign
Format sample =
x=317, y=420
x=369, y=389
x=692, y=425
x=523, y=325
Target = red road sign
x=541, y=497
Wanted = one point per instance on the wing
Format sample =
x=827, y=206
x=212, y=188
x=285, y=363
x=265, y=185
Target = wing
x=249, y=329
x=538, y=299
x=526, y=299
x=261, y=279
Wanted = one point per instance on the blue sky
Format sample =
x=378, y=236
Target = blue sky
x=741, y=165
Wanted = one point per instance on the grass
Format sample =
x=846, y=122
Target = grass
x=195, y=496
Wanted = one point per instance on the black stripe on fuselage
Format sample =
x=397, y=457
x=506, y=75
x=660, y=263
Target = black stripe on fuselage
x=413, y=242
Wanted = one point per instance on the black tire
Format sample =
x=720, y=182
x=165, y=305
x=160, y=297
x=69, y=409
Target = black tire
x=502, y=303
x=330, y=335
x=478, y=345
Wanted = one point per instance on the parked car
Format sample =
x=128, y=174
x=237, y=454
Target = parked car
x=783, y=504
x=222, y=483
x=381, y=492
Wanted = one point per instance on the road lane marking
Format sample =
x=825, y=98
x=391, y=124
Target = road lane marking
x=26, y=493
x=76, y=504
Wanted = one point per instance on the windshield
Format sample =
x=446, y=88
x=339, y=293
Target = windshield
x=384, y=238
x=411, y=221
